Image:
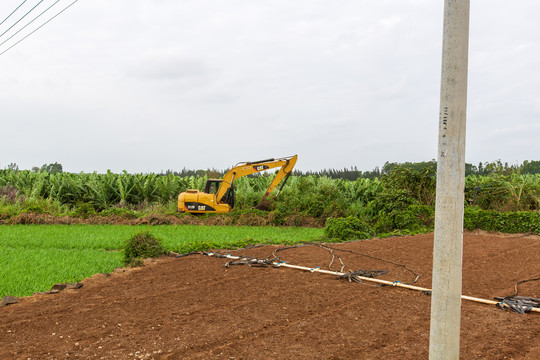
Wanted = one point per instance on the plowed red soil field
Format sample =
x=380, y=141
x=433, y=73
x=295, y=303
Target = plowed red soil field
x=196, y=308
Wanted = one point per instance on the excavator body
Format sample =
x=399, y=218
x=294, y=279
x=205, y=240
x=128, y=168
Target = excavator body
x=218, y=195
x=199, y=202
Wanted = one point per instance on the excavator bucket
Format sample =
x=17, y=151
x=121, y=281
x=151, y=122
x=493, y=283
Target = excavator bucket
x=264, y=205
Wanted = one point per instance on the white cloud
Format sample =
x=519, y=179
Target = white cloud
x=390, y=22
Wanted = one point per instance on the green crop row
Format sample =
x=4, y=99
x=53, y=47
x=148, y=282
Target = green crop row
x=35, y=257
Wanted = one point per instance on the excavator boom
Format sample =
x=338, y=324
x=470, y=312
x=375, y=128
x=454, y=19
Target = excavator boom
x=248, y=168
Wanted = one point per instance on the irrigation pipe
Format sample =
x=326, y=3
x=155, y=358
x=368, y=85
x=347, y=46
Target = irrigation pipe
x=363, y=278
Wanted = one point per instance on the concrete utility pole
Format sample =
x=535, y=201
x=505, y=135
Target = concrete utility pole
x=448, y=245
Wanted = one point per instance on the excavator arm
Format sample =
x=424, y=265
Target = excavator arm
x=248, y=168
x=283, y=174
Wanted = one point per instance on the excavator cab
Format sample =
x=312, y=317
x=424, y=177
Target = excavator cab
x=212, y=187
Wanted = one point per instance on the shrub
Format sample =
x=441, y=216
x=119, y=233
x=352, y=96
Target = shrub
x=507, y=222
x=9, y=193
x=140, y=246
x=119, y=211
x=347, y=228
x=83, y=210
x=402, y=216
x=418, y=184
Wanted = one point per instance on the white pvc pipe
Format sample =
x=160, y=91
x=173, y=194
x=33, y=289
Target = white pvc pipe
x=380, y=281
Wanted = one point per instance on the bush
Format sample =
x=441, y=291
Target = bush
x=507, y=222
x=119, y=211
x=347, y=228
x=9, y=193
x=413, y=217
x=140, y=246
x=83, y=210
x=417, y=184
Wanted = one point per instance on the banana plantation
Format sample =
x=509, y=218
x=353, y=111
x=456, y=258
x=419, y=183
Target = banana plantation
x=402, y=199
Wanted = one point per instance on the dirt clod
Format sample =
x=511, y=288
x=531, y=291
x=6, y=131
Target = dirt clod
x=8, y=300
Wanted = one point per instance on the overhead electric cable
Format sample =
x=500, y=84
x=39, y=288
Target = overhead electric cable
x=29, y=11
x=13, y=12
x=21, y=29
x=42, y=25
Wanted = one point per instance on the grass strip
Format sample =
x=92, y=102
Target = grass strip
x=35, y=257
x=25, y=271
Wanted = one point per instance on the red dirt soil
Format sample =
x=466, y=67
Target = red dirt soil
x=195, y=308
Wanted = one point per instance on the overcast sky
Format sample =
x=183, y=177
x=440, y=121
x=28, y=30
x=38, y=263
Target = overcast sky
x=151, y=85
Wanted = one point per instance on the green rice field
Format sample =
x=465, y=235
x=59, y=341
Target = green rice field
x=35, y=257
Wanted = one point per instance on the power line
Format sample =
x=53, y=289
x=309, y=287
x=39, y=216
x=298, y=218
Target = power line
x=3, y=21
x=29, y=11
x=21, y=29
x=42, y=25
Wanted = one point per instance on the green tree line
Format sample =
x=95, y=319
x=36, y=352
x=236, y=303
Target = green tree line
x=482, y=169
x=352, y=173
x=486, y=168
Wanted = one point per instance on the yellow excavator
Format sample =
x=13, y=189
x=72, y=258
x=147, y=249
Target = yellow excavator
x=218, y=195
